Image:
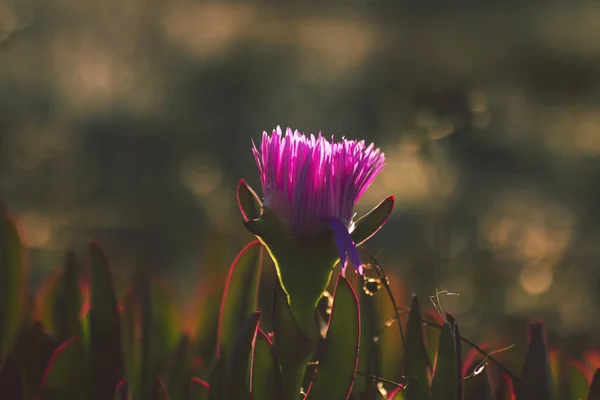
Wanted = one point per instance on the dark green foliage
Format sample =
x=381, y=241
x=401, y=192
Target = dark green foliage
x=370, y=223
x=336, y=371
x=248, y=201
x=266, y=377
x=131, y=347
x=417, y=364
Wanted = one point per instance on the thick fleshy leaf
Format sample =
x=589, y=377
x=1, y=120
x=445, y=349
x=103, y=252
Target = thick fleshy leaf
x=199, y=389
x=122, y=390
x=32, y=353
x=477, y=384
x=294, y=349
x=66, y=376
x=149, y=385
x=369, y=357
x=237, y=370
x=446, y=379
x=265, y=382
x=68, y=301
x=595, y=386
x=336, y=370
x=505, y=390
x=217, y=381
x=578, y=383
x=13, y=284
x=179, y=374
x=159, y=391
x=417, y=364
x=536, y=371
x=130, y=342
x=368, y=225
x=104, y=328
x=240, y=296
x=248, y=201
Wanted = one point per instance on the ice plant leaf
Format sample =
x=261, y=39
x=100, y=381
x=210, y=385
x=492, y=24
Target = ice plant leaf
x=13, y=281
x=199, y=390
x=293, y=348
x=180, y=367
x=536, y=371
x=65, y=375
x=595, y=386
x=237, y=373
x=105, y=328
x=240, y=296
x=265, y=382
x=578, y=380
x=159, y=391
x=369, y=360
x=368, y=225
x=417, y=364
x=446, y=379
x=248, y=201
x=67, y=304
x=336, y=371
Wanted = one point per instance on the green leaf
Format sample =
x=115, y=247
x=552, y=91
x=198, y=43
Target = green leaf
x=66, y=374
x=265, y=382
x=13, y=284
x=336, y=371
x=505, y=389
x=446, y=380
x=417, y=364
x=240, y=296
x=159, y=391
x=178, y=377
x=595, y=386
x=130, y=343
x=369, y=357
x=199, y=389
x=294, y=350
x=536, y=371
x=122, y=390
x=32, y=352
x=104, y=328
x=248, y=201
x=237, y=368
x=476, y=378
x=368, y=225
x=68, y=301
x=578, y=381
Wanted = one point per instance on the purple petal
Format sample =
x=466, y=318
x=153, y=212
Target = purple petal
x=345, y=246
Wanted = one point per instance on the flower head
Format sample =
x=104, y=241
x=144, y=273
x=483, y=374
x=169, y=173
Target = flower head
x=310, y=182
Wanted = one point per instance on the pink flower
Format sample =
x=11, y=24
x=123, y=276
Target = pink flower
x=309, y=181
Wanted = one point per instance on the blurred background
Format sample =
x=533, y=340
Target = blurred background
x=132, y=122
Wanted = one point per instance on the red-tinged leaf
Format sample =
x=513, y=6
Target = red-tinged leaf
x=368, y=225
x=180, y=366
x=265, y=382
x=336, y=370
x=66, y=376
x=236, y=383
x=446, y=378
x=104, y=328
x=13, y=284
x=578, y=380
x=417, y=364
x=536, y=371
x=248, y=201
x=32, y=352
x=505, y=389
x=396, y=392
x=595, y=386
x=67, y=302
x=240, y=296
x=122, y=390
x=199, y=389
x=477, y=383
x=159, y=391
